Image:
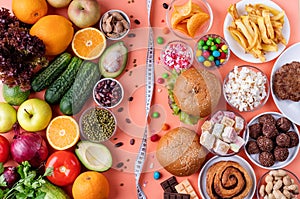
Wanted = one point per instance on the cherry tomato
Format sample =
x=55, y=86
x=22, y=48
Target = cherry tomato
x=4, y=149
x=66, y=167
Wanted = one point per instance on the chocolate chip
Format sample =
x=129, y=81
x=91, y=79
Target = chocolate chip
x=130, y=99
x=122, y=184
x=120, y=109
x=136, y=21
x=166, y=6
x=119, y=144
x=128, y=120
x=132, y=141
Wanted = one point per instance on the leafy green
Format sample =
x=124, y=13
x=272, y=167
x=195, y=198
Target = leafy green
x=28, y=187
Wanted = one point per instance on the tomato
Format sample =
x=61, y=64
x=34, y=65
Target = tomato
x=66, y=167
x=4, y=149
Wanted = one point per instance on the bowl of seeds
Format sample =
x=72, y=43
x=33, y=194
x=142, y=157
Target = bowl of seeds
x=97, y=124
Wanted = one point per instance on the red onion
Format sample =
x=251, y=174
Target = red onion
x=29, y=147
x=11, y=176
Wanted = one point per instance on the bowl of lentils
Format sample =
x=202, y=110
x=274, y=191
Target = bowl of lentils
x=97, y=124
x=108, y=93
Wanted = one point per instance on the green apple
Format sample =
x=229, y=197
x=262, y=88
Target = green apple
x=94, y=156
x=34, y=115
x=8, y=117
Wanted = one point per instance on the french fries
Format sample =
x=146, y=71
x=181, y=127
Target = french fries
x=259, y=31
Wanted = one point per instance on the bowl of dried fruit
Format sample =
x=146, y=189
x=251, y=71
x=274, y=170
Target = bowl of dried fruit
x=108, y=93
x=97, y=124
x=115, y=24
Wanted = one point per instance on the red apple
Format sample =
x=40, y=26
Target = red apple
x=84, y=13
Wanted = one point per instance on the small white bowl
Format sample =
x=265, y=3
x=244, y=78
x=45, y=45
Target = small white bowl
x=108, y=93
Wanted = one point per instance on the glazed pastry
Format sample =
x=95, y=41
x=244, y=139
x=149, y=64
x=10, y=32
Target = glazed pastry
x=228, y=179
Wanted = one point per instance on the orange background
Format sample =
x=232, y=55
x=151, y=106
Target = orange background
x=121, y=178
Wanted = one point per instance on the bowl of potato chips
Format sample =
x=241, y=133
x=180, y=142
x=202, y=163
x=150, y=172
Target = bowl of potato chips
x=189, y=19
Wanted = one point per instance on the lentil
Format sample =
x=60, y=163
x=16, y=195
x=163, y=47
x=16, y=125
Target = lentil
x=98, y=124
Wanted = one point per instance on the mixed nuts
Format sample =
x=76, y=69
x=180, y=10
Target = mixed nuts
x=114, y=24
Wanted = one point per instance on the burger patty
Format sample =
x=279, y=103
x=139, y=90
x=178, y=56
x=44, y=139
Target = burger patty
x=286, y=84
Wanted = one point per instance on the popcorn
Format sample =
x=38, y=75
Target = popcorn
x=245, y=88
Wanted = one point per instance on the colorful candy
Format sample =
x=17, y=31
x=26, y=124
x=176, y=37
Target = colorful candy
x=212, y=50
x=156, y=175
x=160, y=40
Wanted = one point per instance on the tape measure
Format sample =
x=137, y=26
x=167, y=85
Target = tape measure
x=139, y=163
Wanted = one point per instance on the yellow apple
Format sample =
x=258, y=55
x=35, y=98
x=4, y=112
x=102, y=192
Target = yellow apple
x=8, y=117
x=59, y=3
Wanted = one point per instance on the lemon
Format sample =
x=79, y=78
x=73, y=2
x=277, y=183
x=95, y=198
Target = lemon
x=14, y=95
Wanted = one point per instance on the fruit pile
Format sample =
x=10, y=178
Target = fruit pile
x=59, y=64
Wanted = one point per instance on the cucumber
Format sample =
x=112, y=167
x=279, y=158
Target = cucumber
x=74, y=99
x=62, y=84
x=49, y=74
x=53, y=192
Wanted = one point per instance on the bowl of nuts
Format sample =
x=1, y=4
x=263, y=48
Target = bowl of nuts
x=97, y=124
x=108, y=93
x=115, y=24
x=278, y=184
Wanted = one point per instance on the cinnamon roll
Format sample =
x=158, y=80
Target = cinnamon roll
x=228, y=180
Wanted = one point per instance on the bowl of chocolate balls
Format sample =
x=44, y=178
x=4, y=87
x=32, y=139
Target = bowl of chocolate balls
x=272, y=140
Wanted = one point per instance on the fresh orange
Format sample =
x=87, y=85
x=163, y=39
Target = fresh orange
x=56, y=32
x=62, y=132
x=88, y=43
x=29, y=11
x=90, y=185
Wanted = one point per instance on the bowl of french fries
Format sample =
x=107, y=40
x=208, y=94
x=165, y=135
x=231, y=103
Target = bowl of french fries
x=257, y=31
x=189, y=19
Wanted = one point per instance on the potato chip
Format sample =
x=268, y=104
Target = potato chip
x=176, y=18
x=184, y=9
x=195, y=22
x=196, y=8
x=182, y=27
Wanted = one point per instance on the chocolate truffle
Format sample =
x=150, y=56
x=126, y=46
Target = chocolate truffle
x=252, y=147
x=255, y=130
x=266, y=119
x=281, y=154
x=283, y=140
x=265, y=144
x=283, y=124
x=270, y=131
x=294, y=138
x=266, y=159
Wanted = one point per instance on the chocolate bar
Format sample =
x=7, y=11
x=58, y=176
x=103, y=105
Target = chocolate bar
x=176, y=196
x=185, y=187
x=169, y=185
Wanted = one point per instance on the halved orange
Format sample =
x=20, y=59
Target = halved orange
x=89, y=43
x=63, y=132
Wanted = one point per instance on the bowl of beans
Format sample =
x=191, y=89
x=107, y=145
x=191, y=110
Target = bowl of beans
x=97, y=124
x=246, y=88
x=177, y=55
x=108, y=93
x=212, y=51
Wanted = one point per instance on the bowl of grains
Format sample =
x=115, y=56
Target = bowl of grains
x=246, y=88
x=108, y=93
x=97, y=124
x=177, y=55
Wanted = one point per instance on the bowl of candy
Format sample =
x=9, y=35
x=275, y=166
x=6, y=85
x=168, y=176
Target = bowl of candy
x=177, y=55
x=212, y=51
x=189, y=19
x=222, y=133
x=246, y=88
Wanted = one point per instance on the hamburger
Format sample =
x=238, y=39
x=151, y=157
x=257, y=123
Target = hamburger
x=193, y=94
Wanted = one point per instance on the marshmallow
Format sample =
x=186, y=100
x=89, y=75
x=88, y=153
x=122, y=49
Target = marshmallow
x=207, y=140
x=221, y=147
x=207, y=126
x=217, y=130
x=229, y=135
x=227, y=121
x=239, y=142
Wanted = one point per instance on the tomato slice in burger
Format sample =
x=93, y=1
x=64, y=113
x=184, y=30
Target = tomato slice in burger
x=66, y=167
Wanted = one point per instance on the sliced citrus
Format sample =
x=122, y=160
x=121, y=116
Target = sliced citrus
x=88, y=43
x=63, y=132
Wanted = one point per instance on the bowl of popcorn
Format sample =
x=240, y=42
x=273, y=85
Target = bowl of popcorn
x=222, y=133
x=278, y=184
x=246, y=88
